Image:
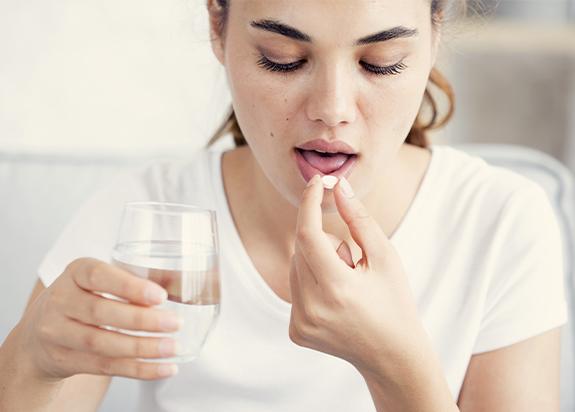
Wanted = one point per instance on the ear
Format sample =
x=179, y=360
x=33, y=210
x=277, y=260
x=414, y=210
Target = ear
x=217, y=42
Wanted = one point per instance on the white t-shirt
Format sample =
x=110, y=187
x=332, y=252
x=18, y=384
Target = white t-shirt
x=480, y=244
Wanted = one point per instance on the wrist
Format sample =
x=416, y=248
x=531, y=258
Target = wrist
x=411, y=380
x=22, y=386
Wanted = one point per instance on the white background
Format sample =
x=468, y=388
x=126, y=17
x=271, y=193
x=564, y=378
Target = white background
x=92, y=76
x=140, y=76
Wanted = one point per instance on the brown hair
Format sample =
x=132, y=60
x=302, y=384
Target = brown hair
x=417, y=135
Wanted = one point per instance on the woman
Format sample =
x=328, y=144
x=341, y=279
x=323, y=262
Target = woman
x=426, y=280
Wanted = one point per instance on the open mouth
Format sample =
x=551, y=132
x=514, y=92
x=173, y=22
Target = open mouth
x=312, y=162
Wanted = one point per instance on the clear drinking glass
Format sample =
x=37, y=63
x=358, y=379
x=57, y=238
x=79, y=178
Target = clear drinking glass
x=177, y=247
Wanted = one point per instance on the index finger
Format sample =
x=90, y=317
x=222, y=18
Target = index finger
x=98, y=276
x=315, y=245
x=309, y=217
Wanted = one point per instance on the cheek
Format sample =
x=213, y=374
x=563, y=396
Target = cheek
x=392, y=107
x=261, y=106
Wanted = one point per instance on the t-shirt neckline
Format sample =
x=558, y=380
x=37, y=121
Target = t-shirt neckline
x=252, y=275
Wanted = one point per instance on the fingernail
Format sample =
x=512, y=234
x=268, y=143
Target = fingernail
x=313, y=180
x=345, y=187
x=155, y=293
x=171, y=322
x=167, y=370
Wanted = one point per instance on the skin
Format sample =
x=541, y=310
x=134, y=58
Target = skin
x=295, y=252
x=55, y=352
x=332, y=97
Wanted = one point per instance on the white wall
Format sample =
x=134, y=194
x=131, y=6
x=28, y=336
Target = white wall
x=84, y=75
x=514, y=83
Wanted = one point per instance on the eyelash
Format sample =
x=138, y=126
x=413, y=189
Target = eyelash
x=394, y=69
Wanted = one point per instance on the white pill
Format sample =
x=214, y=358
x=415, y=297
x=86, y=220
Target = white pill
x=329, y=181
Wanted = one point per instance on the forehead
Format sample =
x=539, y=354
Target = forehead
x=319, y=12
x=343, y=20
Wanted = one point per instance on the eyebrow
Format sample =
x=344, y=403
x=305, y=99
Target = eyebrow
x=276, y=26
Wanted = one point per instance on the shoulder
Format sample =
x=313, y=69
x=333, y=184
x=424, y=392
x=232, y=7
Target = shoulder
x=183, y=178
x=168, y=178
x=473, y=198
x=183, y=165
x=470, y=178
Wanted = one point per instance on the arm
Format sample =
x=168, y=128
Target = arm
x=413, y=382
x=521, y=377
x=20, y=390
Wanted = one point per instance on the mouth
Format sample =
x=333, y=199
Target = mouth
x=313, y=162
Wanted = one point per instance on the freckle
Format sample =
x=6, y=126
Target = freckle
x=287, y=118
x=272, y=134
x=285, y=100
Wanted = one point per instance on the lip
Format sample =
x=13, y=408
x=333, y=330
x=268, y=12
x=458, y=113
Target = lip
x=308, y=171
x=336, y=146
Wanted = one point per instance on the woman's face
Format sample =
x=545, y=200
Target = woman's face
x=331, y=94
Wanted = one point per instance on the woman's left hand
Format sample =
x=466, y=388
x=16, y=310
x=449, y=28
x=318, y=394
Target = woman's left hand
x=364, y=313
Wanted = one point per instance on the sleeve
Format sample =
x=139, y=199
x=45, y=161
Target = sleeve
x=91, y=231
x=525, y=295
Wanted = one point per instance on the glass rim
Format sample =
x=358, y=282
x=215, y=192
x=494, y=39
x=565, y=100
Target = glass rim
x=169, y=207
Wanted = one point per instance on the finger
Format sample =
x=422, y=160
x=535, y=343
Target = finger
x=342, y=249
x=306, y=277
x=363, y=228
x=344, y=252
x=313, y=241
x=83, y=362
x=102, y=342
x=98, y=276
x=294, y=284
x=296, y=302
x=310, y=213
x=92, y=309
x=185, y=287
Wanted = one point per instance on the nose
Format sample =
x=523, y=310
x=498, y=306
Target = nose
x=332, y=98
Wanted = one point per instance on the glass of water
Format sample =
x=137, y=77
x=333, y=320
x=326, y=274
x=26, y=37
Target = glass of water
x=176, y=246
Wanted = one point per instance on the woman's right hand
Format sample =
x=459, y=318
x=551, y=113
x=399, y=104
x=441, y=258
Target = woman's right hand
x=61, y=334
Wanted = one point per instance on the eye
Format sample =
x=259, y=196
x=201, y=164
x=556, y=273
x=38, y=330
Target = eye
x=279, y=67
x=272, y=66
x=394, y=69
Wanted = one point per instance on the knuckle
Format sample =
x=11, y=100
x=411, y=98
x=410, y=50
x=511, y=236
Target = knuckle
x=90, y=342
x=304, y=236
x=298, y=333
x=313, y=316
x=105, y=366
x=74, y=265
x=57, y=300
x=94, y=311
x=60, y=355
x=141, y=370
x=338, y=297
x=294, y=334
x=139, y=347
x=95, y=273
x=124, y=287
x=138, y=319
x=360, y=217
x=45, y=333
